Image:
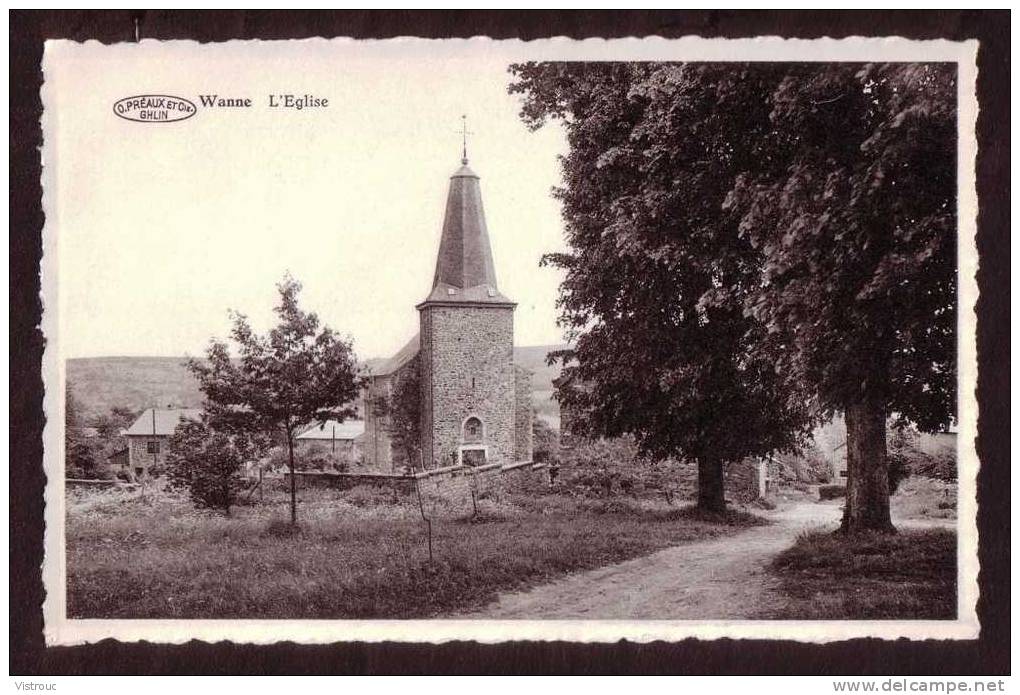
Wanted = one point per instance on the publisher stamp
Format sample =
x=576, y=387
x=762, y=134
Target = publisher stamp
x=154, y=108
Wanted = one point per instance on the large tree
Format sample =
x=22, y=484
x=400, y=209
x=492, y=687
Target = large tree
x=649, y=166
x=747, y=239
x=296, y=374
x=854, y=212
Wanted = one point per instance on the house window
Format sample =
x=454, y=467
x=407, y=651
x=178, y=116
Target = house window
x=152, y=447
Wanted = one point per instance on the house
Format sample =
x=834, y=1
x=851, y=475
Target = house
x=148, y=436
x=342, y=438
x=475, y=402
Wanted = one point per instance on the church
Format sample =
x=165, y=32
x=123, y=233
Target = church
x=475, y=403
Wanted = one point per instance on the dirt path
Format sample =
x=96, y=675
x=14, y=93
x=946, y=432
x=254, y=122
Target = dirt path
x=721, y=579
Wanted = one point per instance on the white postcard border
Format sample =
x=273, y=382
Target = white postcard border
x=60, y=630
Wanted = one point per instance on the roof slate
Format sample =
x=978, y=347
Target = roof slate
x=464, y=262
x=402, y=357
x=166, y=421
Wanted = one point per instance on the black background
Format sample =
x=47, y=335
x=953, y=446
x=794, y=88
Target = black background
x=987, y=655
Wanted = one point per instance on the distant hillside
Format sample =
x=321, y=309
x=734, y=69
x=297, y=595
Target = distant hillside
x=102, y=383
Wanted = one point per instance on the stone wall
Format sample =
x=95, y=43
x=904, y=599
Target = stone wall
x=524, y=413
x=445, y=494
x=376, y=441
x=454, y=494
x=467, y=371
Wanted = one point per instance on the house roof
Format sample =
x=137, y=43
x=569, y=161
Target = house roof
x=164, y=422
x=464, y=268
x=402, y=357
x=331, y=429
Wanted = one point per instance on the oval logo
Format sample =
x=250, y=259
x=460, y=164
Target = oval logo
x=154, y=108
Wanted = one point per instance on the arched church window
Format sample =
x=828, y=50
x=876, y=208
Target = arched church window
x=472, y=430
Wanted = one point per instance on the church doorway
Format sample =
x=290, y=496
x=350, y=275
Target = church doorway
x=472, y=457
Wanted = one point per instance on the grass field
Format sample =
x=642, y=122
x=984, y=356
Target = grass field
x=910, y=575
x=359, y=554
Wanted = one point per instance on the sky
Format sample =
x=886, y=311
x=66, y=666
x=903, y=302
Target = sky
x=161, y=228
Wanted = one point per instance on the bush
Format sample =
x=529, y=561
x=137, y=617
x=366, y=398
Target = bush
x=208, y=463
x=546, y=441
x=84, y=461
x=808, y=465
x=831, y=492
x=907, y=456
x=311, y=457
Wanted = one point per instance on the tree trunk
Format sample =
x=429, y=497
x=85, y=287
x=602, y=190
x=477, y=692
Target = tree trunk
x=867, y=468
x=711, y=496
x=293, y=481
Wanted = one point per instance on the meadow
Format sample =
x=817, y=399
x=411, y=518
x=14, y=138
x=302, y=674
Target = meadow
x=910, y=575
x=360, y=553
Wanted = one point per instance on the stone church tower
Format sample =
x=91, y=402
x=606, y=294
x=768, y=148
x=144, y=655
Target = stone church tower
x=467, y=338
x=475, y=404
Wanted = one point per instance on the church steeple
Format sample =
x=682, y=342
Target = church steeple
x=464, y=268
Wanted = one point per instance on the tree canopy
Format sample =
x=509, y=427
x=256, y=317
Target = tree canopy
x=752, y=246
x=647, y=173
x=296, y=374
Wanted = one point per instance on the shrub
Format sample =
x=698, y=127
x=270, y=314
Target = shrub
x=907, y=456
x=310, y=457
x=808, y=465
x=84, y=462
x=319, y=457
x=831, y=492
x=546, y=442
x=207, y=463
x=605, y=467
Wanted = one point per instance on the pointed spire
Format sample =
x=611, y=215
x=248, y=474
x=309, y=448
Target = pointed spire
x=464, y=268
x=464, y=133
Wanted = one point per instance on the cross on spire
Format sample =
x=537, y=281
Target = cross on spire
x=464, y=132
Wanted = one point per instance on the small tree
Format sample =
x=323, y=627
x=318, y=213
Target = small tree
x=296, y=374
x=80, y=458
x=208, y=463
